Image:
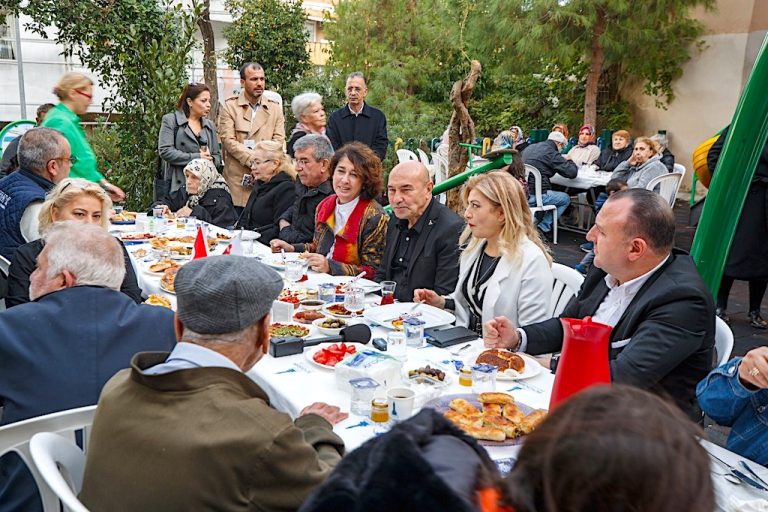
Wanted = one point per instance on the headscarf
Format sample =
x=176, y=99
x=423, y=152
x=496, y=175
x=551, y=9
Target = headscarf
x=209, y=179
x=520, y=137
x=591, y=130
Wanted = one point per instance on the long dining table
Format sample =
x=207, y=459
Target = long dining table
x=294, y=382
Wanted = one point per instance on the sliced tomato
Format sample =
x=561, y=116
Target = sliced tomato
x=321, y=357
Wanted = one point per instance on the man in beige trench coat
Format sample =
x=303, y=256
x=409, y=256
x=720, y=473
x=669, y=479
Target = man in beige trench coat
x=246, y=119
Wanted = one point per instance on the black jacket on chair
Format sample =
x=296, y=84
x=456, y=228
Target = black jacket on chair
x=267, y=202
x=215, y=207
x=434, y=262
x=664, y=340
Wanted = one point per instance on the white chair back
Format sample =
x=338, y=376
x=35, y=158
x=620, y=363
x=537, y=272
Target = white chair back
x=423, y=157
x=16, y=436
x=567, y=285
x=441, y=172
x=61, y=464
x=406, y=155
x=540, y=206
x=668, y=184
x=723, y=341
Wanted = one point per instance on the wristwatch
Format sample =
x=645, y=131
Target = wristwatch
x=553, y=361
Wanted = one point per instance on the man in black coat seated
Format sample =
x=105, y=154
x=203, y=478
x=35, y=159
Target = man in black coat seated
x=422, y=248
x=58, y=351
x=313, y=154
x=663, y=317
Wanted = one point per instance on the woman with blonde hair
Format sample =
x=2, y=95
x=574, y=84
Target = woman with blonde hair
x=75, y=93
x=505, y=269
x=72, y=199
x=204, y=196
x=273, y=191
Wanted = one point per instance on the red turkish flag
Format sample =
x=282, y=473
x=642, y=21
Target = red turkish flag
x=201, y=245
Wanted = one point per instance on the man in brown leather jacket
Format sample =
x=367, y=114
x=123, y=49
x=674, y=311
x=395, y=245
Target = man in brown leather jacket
x=189, y=430
x=247, y=118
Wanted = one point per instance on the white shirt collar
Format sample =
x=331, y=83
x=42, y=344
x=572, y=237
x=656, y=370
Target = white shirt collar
x=632, y=286
x=356, y=113
x=187, y=355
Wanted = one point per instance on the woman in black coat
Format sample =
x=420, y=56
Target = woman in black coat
x=205, y=196
x=72, y=199
x=273, y=192
x=748, y=257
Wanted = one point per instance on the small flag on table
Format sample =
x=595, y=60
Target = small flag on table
x=235, y=247
x=200, y=249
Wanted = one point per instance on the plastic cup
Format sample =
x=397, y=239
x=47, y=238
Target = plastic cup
x=362, y=394
x=157, y=212
x=484, y=378
x=414, y=332
x=396, y=346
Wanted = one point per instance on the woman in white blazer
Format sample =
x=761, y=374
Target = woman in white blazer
x=505, y=269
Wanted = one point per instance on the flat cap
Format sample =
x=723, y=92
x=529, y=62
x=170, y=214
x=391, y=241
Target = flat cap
x=223, y=294
x=557, y=137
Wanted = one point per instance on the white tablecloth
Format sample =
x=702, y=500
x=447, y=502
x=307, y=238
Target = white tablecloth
x=293, y=383
x=585, y=179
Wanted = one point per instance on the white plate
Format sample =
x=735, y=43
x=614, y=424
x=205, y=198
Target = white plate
x=430, y=315
x=276, y=260
x=308, y=327
x=312, y=350
x=532, y=367
x=326, y=330
x=336, y=315
x=145, y=267
x=366, y=284
x=166, y=290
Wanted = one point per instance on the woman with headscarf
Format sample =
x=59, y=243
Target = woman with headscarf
x=585, y=151
x=510, y=139
x=204, y=196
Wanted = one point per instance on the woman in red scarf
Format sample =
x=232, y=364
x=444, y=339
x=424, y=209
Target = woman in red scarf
x=350, y=226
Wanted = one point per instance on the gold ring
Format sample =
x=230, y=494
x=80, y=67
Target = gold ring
x=753, y=372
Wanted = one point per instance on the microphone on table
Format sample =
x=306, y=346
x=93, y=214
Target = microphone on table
x=291, y=345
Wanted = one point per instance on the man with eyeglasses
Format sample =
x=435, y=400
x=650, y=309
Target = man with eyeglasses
x=358, y=121
x=297, y=225
x=45, y=159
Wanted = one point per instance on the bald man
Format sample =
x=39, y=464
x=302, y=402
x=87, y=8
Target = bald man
x=423, y=237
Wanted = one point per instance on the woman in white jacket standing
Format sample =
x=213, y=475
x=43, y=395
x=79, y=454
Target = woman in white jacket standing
x=505, y=268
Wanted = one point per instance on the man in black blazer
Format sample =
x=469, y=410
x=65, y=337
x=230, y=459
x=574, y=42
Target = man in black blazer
x=661, y=312
x=422, y=248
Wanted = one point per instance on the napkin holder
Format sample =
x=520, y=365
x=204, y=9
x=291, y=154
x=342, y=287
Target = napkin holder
x=292, y=345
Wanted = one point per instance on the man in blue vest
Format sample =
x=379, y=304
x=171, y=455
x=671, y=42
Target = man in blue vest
x=44, y=160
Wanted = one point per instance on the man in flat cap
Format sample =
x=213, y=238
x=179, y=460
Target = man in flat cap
x=188, y=430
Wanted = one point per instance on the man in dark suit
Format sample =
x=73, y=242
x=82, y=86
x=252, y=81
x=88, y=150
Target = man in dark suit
x=357, y=120
x=59, y=350
x=422, y=238
x=651, y=294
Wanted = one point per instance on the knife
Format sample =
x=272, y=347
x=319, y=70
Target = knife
x=751, y=472
x=738, y=474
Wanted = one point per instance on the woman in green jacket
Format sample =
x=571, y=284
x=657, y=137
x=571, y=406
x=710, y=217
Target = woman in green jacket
x=75, y=92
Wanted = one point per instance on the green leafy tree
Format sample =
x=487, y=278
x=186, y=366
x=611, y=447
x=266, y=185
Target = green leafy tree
x=139, y=50
x=270, y=32
x=639, y=40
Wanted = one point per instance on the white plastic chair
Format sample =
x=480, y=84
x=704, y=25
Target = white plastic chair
x=540, y=206
x=406, y=155
x=441, y=172
x=424, y=159
x=668, y=185
x=61, y=464
x=567, y=285
x=16, y=437
x=723, y=341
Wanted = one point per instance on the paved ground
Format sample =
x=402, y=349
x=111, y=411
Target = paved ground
x=568, y=253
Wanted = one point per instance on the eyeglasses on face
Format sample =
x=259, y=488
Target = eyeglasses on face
x=85, y=94
x=72, y=159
